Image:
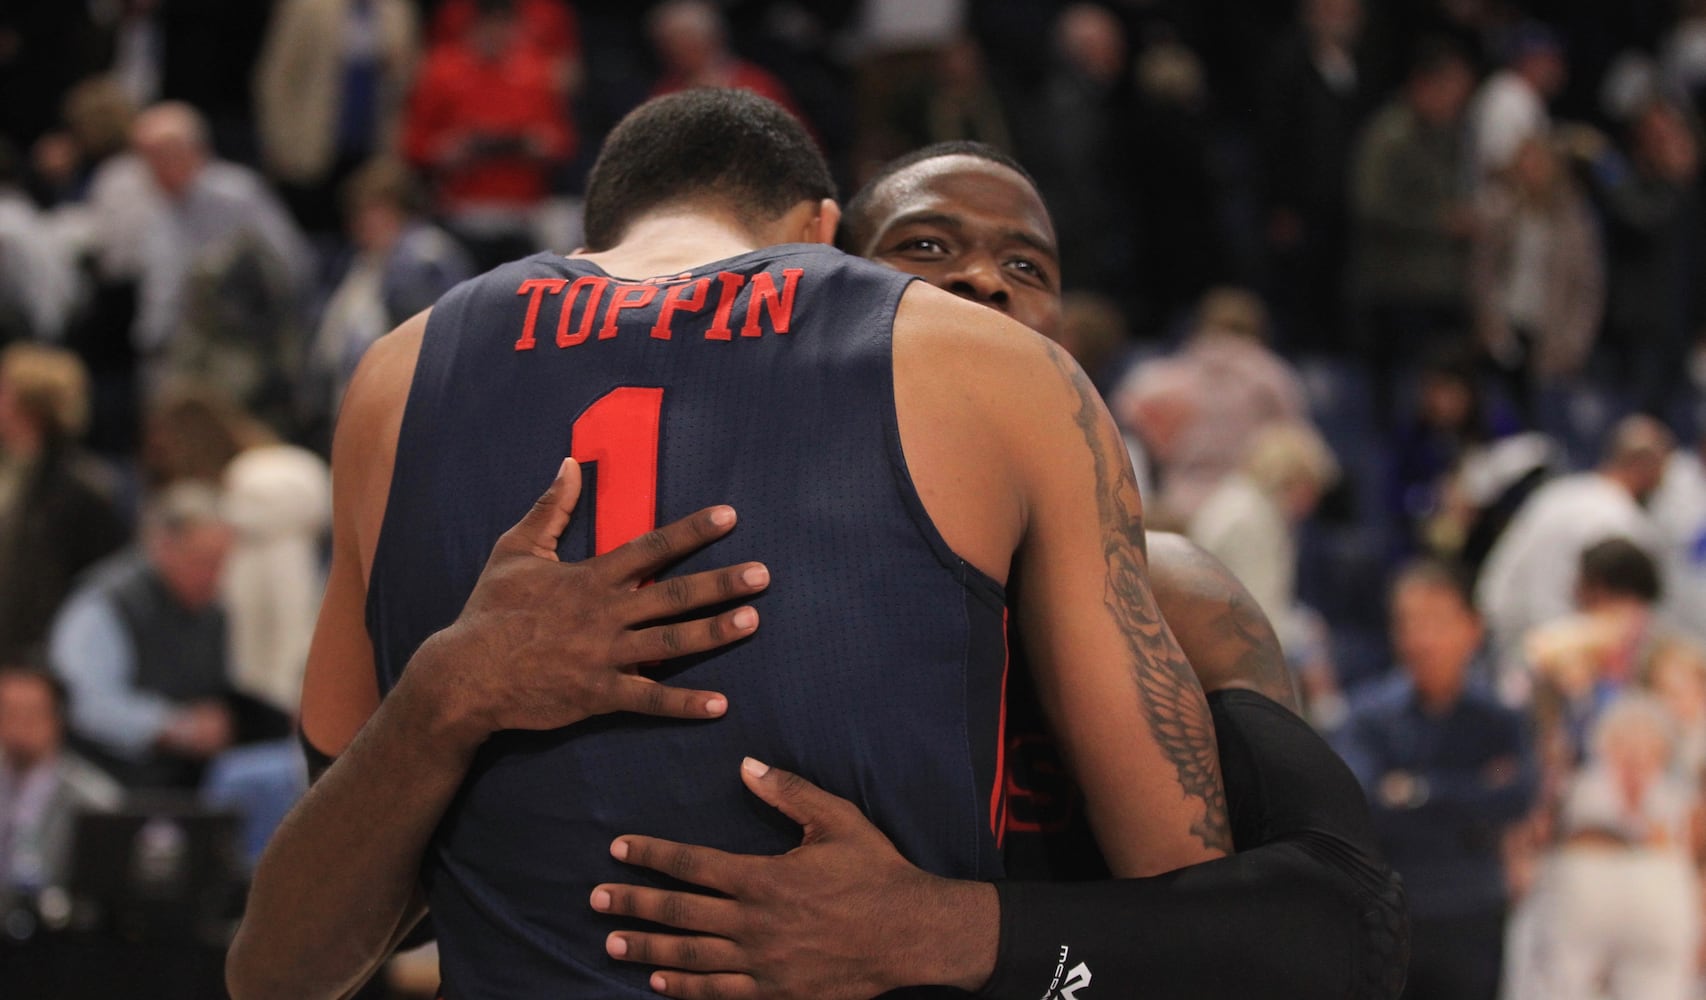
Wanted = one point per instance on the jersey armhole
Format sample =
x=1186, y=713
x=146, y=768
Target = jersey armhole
x=969, y=576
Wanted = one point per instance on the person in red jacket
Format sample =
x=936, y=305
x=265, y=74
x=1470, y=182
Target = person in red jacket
x=549, y=26
x=488, y=123
x=692, y=45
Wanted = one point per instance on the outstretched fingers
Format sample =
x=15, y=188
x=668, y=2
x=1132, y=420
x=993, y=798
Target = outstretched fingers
x=681, y=595
x=654, y=551
x=682, y=911
x=701, y=866
x=666, y=642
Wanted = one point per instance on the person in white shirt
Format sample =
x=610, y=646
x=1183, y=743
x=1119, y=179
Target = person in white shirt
x=1624, y=891
x=206, y=205
x=1530, y=576
x=1511, y=106
x=1249, y=522
x=1678, y=507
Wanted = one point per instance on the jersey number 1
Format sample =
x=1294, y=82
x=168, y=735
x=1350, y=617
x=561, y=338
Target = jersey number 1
x=619, y=433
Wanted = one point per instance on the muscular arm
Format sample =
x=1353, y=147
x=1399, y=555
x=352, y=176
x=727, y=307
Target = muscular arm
x=1121, y=698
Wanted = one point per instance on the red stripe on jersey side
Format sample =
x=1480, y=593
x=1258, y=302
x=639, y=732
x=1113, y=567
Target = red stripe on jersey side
x=997, y=801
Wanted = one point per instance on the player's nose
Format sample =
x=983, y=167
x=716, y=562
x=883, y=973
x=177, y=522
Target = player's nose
x=982, y=282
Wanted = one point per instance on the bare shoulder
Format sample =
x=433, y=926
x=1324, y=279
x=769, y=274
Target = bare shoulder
x=1223, y=632
x=973, y=392
x=364, y=448
x=944, y=332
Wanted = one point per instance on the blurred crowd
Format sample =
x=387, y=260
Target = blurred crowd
x=1402, y=307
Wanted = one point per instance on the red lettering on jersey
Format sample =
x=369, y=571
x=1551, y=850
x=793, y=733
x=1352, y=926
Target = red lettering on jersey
x=764, y=296
x=595, y=286
x=626, y=297
x=674, y=301
x=731, y=287
x=536, y=287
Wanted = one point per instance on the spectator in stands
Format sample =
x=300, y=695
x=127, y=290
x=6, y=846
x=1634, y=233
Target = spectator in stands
x=403, y=264
x=550, y=26
x=1447, y=769
x=57, y=513
x=142, y=645
x=692, y=45
x=488, y=123
x=1249, y=522
x=1583, y=662
x=1676, y=675
x=1074, y=138
x=1179, y=191
x=1436, y=453
x=1413, y=217
x=1315, y=103
x=955, y=102
x=210, y=212
x=276, y=499
x=1654, y=219
x=1530, y=575
x=1683, y=54
x=1678, y=510
x=329, y=93
x=1236, y=385
x=39, y=284
x=1537, y=276
x=1510, y=107
x=43, y=785
x=96, y=128
x=1625, y=894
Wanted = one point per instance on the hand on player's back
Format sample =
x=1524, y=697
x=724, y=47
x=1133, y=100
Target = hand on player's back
x=841, y=917
x=543, y=644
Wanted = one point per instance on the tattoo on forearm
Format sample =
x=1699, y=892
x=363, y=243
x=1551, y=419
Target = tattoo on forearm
x=1172, y=699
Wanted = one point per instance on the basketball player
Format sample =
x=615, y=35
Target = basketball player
x=1313, y=910
x=867, y=429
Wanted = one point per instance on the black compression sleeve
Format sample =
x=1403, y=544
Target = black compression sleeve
x=1306, y=910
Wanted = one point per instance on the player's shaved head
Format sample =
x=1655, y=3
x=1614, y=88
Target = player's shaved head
x=968, y=219
x=738, y=151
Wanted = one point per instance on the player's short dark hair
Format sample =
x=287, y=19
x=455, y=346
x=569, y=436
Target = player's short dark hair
x=738, y=148
x=856, y=220
x=1619, y=567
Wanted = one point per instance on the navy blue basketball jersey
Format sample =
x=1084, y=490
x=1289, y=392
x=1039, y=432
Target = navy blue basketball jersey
x=764, y=381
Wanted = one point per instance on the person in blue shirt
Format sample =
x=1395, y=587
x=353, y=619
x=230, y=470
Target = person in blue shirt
x=1446, y=768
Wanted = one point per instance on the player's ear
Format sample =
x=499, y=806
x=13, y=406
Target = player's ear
x=824, y=223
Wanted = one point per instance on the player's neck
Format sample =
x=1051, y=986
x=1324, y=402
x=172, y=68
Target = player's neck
x=671, y=241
